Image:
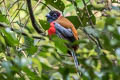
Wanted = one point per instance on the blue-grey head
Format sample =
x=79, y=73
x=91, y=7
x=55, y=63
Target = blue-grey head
x=52, y=16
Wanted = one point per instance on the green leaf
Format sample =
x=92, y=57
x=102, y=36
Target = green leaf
x=2, y=40
x=30, y=74
x=98, y=6
x=69, y=8
x=85, y=18
x=106, y=43
x=100, y=23
x=74, y=20
x=10, y=37
x=36, y=63
x=110, y=21
x=7, y=65
x=32, y=49
x=45, y=25
x=25, y=61
x=60, y=44
x=45, y=63
x=58, y=4
x=3, y=19
x=29, y=42
x=80, y=3
x=92, y=31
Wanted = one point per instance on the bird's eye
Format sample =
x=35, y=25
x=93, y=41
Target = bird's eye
x=54, y=15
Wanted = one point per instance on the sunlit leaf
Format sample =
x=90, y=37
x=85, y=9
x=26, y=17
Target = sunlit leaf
x=60, y=44
x=74, y=20
x=55, y=4
x=36, y=63
x=10, y=37
x=3, y=18
x=45, y=25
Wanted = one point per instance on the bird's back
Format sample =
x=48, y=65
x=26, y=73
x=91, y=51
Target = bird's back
x=67, y=24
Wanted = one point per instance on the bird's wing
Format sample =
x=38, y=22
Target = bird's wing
x=67, y=34
x=63, y=32
x=67, y=24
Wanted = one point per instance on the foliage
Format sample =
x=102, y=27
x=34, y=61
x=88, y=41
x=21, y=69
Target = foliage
x=27, y=55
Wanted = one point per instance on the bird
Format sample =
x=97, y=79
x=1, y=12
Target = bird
x=63, y=28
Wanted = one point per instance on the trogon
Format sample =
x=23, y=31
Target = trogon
x=63, y=28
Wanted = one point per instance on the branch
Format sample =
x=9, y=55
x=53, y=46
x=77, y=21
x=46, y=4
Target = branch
x=78, y=13
x=91, y=23
x=90, y=20
x=34, y=23
x=80, y=20
x=7, y=12
x=3, y=25
x=97, y=41
x=16, y=13
x=12, y=5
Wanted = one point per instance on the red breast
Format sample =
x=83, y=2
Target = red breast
x=51, y=30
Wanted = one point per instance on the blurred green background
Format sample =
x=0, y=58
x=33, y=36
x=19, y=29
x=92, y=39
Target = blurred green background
x=28, y=55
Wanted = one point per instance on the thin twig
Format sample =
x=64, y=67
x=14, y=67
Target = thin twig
x=24, y=54
x=37, y=4
x=13, y=5
x=90, y=20
x=7, y=12
x=17, y=13
x=80, y=20
x=91, y=23
x=97, y=41
x=78, y=13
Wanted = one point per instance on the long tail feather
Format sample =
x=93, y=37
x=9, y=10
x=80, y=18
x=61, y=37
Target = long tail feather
x=75, y=61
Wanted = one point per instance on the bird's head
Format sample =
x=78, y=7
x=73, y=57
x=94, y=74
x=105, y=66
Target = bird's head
x=52, y=16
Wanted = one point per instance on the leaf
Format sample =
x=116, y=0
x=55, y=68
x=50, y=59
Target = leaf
x=98, y=6
x=74, y=20
x=3, y=19
x=90, y=8
x=10, y=37
x=60, y=44
x=29, y=42
x=100, y=23
x=45, y=25
x=80, y=3
x=58, y=4
x=85, y=18
x=7, y=65
x=2, y=40
x=36, y=63
x=106, y=43
x=110, y=20
x=32, y=49
x=25, y=61
x=56, y=76
x=69, y=8
x=45, y=63
x=30, y=74
x=92, y=31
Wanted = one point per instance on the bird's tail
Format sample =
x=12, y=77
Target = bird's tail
x=75, y=61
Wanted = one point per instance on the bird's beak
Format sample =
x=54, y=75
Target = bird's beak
x=48, y=15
